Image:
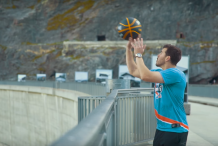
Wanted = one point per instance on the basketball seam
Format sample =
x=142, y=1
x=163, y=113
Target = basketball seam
x=124, y=24
x=133, y=22
x=129, y=26
x=135, y=31
x=126, y=34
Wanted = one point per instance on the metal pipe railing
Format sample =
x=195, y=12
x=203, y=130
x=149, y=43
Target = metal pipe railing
x=123, y=118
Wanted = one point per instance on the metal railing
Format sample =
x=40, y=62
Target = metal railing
x=94, y=129
x=87, y=104
x=135, y=119
x=88, y=87
x=125, y=117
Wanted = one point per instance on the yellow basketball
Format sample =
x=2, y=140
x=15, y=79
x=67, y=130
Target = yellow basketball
x=129, y=27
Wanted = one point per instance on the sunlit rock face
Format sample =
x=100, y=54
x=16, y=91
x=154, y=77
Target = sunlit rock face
x=32, y=32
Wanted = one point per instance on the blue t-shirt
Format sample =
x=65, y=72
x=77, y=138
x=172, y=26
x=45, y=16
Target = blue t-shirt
x=169, y=99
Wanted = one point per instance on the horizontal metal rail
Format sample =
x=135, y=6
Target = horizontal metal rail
x=134, y=90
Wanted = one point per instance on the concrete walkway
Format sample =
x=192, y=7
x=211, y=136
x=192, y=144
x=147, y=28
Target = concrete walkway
x=203, y=125
x=203, y=121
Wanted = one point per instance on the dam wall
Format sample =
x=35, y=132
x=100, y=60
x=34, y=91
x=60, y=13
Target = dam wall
x=36, y=116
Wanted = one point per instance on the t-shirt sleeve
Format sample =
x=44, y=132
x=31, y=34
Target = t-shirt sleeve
x=171, y=76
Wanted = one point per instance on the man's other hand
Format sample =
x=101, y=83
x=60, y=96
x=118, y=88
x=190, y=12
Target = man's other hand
x=138, y=45
x=129, y=45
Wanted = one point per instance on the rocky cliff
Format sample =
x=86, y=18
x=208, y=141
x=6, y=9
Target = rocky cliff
x=32, y=32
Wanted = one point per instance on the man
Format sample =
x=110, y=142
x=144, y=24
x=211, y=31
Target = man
x=172, y=127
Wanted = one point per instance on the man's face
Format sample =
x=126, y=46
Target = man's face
x=161, y=58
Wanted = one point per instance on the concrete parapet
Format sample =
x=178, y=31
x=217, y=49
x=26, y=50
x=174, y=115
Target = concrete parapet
x=153, y=43
x=34, y=116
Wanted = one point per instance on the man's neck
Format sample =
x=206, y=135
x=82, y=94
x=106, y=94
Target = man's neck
x=168, y=65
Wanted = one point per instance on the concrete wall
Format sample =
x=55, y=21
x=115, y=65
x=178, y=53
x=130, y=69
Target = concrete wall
x=203, y=90
x=36, y=116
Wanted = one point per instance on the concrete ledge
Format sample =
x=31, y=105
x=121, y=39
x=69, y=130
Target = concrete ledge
x=119, y=43
x=43, y=90
x=204, y=100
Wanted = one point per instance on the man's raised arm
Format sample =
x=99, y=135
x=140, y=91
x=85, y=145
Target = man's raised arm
x=132, y=67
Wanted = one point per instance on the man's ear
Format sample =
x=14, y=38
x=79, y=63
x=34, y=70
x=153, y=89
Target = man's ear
x=167, y=58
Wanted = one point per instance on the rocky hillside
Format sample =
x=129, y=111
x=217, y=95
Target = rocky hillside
x=49, y=21
x=32, y=32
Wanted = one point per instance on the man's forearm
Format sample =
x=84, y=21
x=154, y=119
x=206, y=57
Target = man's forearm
x=146, y=74
x=130, y=61
x=142, y=68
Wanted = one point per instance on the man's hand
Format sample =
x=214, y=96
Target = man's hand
x=129, y=45
x=138, y=45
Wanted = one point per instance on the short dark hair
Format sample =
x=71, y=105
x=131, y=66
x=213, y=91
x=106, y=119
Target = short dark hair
x=174, y=53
